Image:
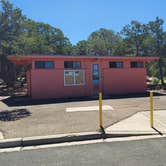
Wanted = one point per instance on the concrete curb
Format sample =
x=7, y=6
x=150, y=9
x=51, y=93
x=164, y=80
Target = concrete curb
x=61, y=138
x=10, y=143
x=50, y=139
x=32, y=141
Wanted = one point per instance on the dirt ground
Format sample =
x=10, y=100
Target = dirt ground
x=22, y=118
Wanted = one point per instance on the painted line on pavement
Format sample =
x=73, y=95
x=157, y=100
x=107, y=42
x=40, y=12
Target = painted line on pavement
x=1, y=136
x=89, y=108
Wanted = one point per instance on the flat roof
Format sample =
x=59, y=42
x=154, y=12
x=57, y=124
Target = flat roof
x=27, y=59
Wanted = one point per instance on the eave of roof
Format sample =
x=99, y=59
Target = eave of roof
x=27, y=59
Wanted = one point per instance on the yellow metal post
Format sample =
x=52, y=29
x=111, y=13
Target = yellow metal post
x=100, y=111
x=151, y=109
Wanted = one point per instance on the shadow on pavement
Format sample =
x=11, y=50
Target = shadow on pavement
x=127, y=135
x=14, y=115
x=157, y=131
x=25, y=100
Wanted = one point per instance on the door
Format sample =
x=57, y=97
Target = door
x=95, y=78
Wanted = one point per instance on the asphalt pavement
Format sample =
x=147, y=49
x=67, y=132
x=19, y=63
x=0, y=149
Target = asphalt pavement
x=127, y=153
x=19, y=119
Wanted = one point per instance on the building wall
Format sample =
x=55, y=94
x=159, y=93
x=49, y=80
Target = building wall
x=49, y=83
x=124, y=81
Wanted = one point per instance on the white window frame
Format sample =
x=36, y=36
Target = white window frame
x=74, y=78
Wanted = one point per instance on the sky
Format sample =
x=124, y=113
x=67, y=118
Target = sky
x=79, y=18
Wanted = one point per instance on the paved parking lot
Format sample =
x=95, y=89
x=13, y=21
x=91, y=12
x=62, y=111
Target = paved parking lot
x=51, y=118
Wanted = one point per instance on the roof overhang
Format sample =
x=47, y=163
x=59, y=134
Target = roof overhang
x=27, y=59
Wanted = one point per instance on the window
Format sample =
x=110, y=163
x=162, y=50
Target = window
x=72, y=64
x=44, y=64
x=73, y=77
x=69, y=77
x=116, y=64
x=136, y=64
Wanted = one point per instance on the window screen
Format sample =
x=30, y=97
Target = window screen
x=69, y=78
x=44, y=64
x=73, y=77
x=136, y=64
x=79, y=77
x=116, y=64
x=72, y=64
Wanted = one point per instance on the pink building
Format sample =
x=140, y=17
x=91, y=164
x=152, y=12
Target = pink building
x=76, y=76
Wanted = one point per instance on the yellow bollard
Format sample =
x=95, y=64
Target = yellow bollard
x=100, y=111
x=151, y=109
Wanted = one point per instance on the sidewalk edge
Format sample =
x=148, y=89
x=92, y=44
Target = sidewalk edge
x=62, y=138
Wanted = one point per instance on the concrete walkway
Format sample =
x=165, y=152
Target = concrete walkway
x=140, y=124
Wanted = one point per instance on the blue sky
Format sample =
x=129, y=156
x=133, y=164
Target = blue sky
x=78, y=18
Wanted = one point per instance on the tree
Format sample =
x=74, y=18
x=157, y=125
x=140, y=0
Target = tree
x=20, y=35
x=10, y=26
x=103, y=42
x=40, y=38
x=135, y=33
x=159, y=42
x=80, y=48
